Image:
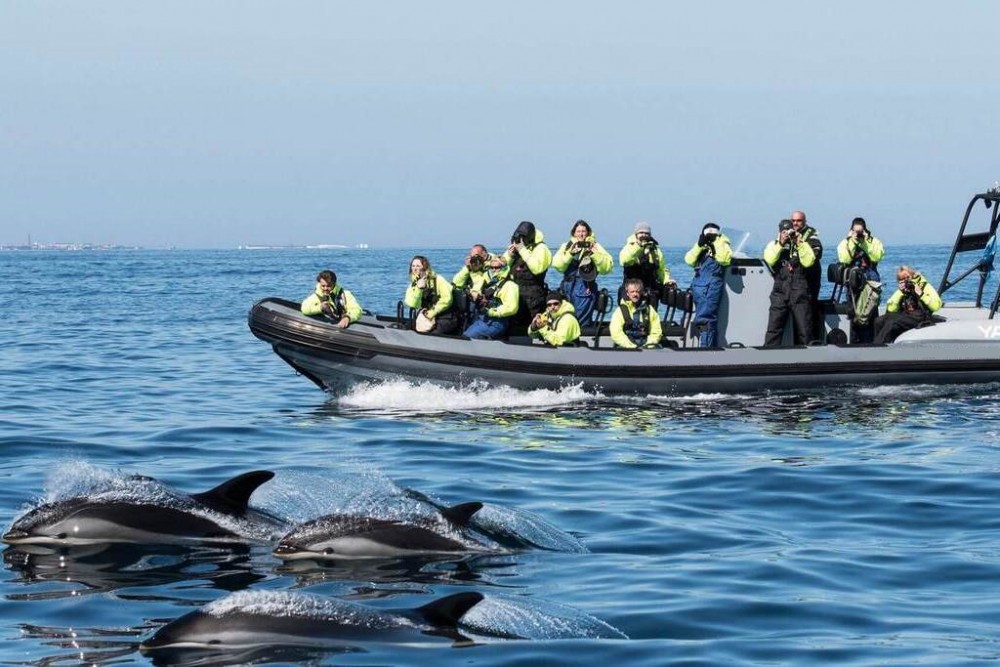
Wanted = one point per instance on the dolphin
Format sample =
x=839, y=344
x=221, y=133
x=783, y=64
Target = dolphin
x=279, y=618
x=339, y=536
x=145, y=511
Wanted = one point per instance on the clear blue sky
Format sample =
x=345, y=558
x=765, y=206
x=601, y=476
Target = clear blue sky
x=210, y=124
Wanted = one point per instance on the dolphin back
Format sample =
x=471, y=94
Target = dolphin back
x=233, y=496
x=447, y=611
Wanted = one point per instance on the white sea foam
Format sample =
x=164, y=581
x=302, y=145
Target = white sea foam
x=302, y=605
x=429, y=398
x=530, y=618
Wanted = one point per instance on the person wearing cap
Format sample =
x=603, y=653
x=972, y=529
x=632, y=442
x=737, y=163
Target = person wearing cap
x=642, y=258
x=431, y=294
x=528, y=258
x=814, y=273
x=495, y=306
x=864, y=251
x=709, y=256
x=635, y=324
x=911, y=306
x=331, y=300
x=557, y=325
x=582, y=259
x=789, y=256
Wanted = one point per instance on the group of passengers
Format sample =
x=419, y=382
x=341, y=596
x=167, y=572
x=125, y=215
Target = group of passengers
x=794, y=256
x=508, y=293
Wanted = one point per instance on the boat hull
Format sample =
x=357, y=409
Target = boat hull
x=373, y=349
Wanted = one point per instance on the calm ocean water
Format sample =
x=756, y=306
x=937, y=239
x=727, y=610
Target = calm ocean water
x=855, y=526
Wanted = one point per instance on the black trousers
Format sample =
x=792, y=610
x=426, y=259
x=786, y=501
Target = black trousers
x=790, y=296
x=888, y=327
x=530, y=303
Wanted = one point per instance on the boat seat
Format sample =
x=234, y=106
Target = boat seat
x=679, y=310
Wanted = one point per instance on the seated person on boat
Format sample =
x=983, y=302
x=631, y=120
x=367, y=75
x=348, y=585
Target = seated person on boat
x=911, y=306
x=431, y=294
x=332, y=300
x=581, y=260
x=635, y=323
x=495, y=306
x=558, y=325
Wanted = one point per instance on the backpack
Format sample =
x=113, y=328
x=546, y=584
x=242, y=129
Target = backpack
x=865, y=302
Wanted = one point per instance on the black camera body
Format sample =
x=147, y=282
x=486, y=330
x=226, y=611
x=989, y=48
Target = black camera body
x=476, y=263
x=908, y=286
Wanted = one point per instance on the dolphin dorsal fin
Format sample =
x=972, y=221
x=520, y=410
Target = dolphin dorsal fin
x=460, y=515
x=448, y=610
x=233, y=496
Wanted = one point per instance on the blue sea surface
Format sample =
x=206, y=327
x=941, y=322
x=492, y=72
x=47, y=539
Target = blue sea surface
x=855, y=526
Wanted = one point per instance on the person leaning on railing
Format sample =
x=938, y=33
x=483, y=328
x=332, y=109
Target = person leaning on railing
x=332, y=300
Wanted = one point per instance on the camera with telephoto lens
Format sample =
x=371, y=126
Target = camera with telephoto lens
x=908, y=285
x=476, y=263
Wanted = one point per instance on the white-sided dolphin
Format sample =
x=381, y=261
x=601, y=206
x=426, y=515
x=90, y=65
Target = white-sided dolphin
x=150, y=513
x=279, y=618
x=337, y=536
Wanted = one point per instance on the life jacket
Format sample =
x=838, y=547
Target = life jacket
x=647, y=268
x=788, y=261
x=861, y=260
x=636, y=325
x=429, y=294
x=522, y=275
x=492, y=288
x=911, y=304
x=336, y=300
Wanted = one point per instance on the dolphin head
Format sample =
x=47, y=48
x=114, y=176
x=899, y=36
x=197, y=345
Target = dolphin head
x=51, y=523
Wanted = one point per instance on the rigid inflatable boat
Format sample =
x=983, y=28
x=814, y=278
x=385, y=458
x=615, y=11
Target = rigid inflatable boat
x=962, y=346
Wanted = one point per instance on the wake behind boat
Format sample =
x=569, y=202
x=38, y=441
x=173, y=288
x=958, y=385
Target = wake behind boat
x=963, y=345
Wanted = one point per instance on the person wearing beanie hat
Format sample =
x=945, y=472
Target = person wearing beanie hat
x=642, y=258
x=332, y=300
x=529, y=259
x=582, y=259
x=709, y=257
x=557, y=325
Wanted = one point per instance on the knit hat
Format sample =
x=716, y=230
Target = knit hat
x=710, y=228
x=642, y=228
x=553, y=296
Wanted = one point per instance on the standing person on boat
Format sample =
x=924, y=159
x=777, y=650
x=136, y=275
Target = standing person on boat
x=495, y=306
x=709, y=256
x=635, y=323
x=431, y=294
x=789, y=256
x=814, y=274
x=474, y=274
x=582, y=259
x=557, y=325
x=642, y=258
x=332, y=300
x=911, y=306
x=862, y=251
x=529, y=258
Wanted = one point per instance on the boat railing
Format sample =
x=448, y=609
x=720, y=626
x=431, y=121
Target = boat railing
x=982, y=241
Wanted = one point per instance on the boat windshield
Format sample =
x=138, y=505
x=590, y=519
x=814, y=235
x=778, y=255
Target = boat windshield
x=743, y=243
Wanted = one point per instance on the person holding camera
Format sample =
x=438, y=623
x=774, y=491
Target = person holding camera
x=862, y=250
x=709, y=256
x=789, y=256
x=495, y=306
x=528, y=258
x=814, y=274
x=641, y=258
x=911, y=306
x=635, y=324
x=331, y=300
x=431, y=294
x=475, y=271
x=582, y=259
x=557, y=325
